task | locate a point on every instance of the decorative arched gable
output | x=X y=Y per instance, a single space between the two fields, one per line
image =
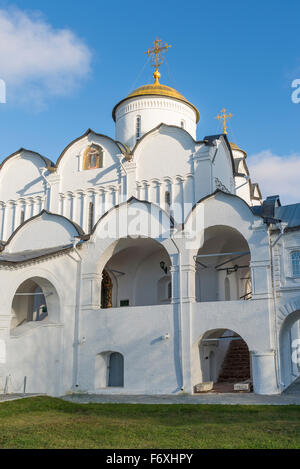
x=45 y=230
x=21 y=175
x=225 y=209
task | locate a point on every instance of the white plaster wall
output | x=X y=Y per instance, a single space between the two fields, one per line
x=151 y=365
x=164 y=153
x=21 y=177
x=153 y=111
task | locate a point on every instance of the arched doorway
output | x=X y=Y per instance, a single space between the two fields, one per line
x=223 y=266
x=289 y=342
x=116 y=370
x=224 y=358
x=35 y=300
x=136 y=274
x=109 y=370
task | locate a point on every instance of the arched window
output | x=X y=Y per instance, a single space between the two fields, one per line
x=91 y=216
x=30 y=302
x=295 y=257
x=138 y=127
x=93 y=157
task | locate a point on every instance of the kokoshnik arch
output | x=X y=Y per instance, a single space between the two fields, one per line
x=148 y=263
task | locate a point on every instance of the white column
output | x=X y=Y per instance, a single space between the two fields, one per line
x=75 y=208
x=85 y=217
x=81 y=210
x=113 y=196
x=104 y=201
x=146 y=190
x=13 y=216
x=162 y=195
x=67 y=206
x=98 y=205
x=26 y=209
x=22 y=208
x=264 y=372
x=62 y=204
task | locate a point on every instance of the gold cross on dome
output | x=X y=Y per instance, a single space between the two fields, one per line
x=156 y=56
x=224 y=116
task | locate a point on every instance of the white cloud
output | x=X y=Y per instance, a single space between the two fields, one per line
x=37 y=60
x=276 y=175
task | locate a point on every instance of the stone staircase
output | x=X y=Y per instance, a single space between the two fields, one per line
x=236 y=365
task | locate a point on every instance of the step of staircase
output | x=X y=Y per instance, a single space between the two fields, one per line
x=236 y=365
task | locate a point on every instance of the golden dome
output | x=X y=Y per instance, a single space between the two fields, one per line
x=157 y=89
x=235 y=147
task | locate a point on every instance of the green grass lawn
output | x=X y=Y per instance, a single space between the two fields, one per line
x=44 y=422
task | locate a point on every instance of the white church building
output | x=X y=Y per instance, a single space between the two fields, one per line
x=145 y=264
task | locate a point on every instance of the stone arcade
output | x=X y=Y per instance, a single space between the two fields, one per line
x=145 y=264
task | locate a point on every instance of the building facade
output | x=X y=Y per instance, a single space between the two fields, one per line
x=133 y=265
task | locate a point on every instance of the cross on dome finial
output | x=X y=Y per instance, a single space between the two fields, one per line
x=224 y=116
x=156 y=55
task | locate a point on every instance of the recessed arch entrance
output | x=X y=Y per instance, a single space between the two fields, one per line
x=136 y=273
x=221 y=356
x=223 y=266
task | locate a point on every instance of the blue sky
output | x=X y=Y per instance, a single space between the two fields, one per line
x=83 y=57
